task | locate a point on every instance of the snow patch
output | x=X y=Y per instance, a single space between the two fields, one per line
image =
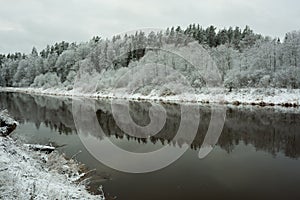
x=250 y=96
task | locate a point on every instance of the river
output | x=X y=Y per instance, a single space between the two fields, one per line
x=256 y=156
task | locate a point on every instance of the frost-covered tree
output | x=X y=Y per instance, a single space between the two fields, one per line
x=291 y=46
x=47 y=80
x=243 y=58
x=65 y=63
x=225 y=58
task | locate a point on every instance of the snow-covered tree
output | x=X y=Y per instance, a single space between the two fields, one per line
x=47 y=80
x=243 y=58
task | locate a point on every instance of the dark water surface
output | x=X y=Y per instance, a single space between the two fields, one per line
x=256 y=157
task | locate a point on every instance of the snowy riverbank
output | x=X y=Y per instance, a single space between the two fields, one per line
x=7 y=124
x=28 y=174
x=247 y=96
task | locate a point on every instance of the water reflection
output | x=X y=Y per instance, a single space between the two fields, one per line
x=265 y=128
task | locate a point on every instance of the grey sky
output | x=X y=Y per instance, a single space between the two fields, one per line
x=28 y=23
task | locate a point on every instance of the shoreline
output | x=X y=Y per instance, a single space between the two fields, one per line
x=26 y=173
x=246 y=96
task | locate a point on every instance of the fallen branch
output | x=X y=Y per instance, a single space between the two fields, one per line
x=43 y=148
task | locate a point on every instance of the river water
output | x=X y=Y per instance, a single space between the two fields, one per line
x=256 y=156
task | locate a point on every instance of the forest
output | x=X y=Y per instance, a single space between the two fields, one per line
x=244 y=59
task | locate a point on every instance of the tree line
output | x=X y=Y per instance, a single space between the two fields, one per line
x=244 y=58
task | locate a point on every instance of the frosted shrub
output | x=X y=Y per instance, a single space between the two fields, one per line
x=288 y=77
x=47 y=80
x=70 y=80
x=265 y=81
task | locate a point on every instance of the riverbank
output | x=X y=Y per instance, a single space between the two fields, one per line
x=30 y=174
x=7 y=124
x=246 y=96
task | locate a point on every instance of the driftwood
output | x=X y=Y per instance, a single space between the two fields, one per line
x=43 y=148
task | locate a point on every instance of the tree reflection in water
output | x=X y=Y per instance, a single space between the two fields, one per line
x=267 y=129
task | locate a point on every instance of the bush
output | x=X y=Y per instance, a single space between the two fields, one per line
x=47 y=80
x=288 y=77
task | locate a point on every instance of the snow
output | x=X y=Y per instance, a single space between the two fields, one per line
x=245 y=96
x=38 y=147
x=3 y=130
x=27 y=174
x=4 y=117
x=7 y=123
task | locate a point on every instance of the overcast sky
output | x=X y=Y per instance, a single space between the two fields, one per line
x=28 y=23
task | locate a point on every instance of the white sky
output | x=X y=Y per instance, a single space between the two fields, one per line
x=28 y=23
